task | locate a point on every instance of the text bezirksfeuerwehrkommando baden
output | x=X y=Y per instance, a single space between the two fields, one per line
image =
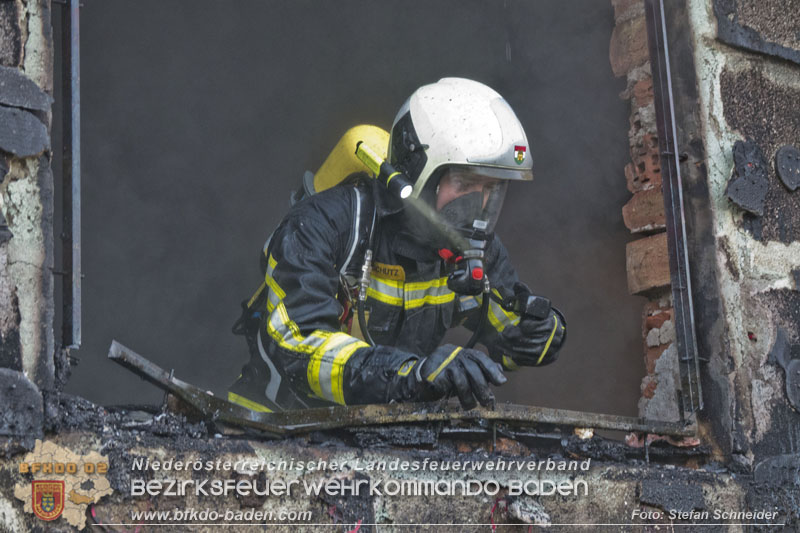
x=525 y=484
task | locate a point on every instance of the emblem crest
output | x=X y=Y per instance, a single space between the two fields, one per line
x=48 y=499
x=519 y=154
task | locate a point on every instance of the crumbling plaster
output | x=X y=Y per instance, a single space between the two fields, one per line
x=745 y=267
x=26 y=200
x=22 y=207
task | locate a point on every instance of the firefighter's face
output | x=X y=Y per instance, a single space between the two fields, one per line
x=456 y=183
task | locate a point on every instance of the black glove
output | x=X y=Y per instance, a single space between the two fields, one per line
x=534 y=341
x=464 y=371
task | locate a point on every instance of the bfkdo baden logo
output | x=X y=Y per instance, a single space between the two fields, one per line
x=57 y=483
x=48 y=499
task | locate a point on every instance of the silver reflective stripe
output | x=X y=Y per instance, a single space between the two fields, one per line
x=279 y=326
x=332 y=349
x=410 y=295
x=434 y=292
x=500 y=318
x=386 y=290
x=328 y=351
x=274 y=384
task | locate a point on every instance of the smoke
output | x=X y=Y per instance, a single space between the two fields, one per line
x=200 y=117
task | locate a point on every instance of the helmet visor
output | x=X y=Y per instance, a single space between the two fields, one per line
x=466 y=194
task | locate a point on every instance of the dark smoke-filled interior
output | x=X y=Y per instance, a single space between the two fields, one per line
x=199 y=119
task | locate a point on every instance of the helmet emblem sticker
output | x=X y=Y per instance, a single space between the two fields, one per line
x=519 y=154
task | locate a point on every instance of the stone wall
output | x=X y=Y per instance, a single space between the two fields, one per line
x=26 y=212
x=747 y=65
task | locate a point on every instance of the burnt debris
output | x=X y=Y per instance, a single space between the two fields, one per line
x=748 y=185
x=21 y=133
x=18 y=90
x=670 y=494
x=24 y=421
x=787 y=165
x=787 y=356
x=731 y=30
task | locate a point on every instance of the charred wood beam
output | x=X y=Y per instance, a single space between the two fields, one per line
x=307 y=420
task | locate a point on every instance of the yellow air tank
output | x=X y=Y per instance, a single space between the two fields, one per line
x=342 y=161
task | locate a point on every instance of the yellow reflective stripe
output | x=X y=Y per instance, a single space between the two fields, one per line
x=325 y=371
x=500 y=318
x=286 y=321
x=255 y=296
x=249 y=404
x=328 y=350
x=434 y=292
x=508 y=314
x=340 y=343
x=409 y=295
x=430 y=299
x=308 y=345
x=273 y=286
x=314 y=364
x=388 y=291
x=509 y=363
x=337 y=372
x=546 y=346
x=446 y=362
x=406 y=368
x=385 y=298
x=270 y=281
x=282 y=328
x=426 y=285
x=395 y=283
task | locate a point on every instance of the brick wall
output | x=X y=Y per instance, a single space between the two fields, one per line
x=647 y=259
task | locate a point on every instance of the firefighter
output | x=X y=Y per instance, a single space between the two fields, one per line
x=460 y=144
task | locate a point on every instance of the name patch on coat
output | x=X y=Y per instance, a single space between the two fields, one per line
x=394 y=272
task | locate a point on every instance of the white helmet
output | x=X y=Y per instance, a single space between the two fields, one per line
x=461 y=123
x=457 y=121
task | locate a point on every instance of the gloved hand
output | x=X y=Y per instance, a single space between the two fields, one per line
x=535 y=341
x=464 y=371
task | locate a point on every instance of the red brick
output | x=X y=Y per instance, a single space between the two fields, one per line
x=647 y=263
x=657 y=320
x=630 y=177
x=648 y=387
x=628 y=47
x=645 y=172
x=654 y=307
x=644 y=212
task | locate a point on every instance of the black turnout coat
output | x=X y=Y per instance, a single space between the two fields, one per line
x=304 y=342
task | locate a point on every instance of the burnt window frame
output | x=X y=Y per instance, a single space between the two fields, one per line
x=689 y=397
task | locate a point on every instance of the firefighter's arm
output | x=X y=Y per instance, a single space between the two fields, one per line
x=512 y=339
x=304 y=258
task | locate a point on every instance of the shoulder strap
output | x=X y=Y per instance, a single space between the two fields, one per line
x=364 y=219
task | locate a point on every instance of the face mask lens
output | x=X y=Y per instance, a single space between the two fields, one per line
x=494 y=195
x=466 y=194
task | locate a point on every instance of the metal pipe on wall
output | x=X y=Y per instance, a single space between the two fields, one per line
x=71 y=235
